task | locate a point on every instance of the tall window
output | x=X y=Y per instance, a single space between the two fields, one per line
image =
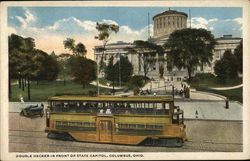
x=160 y=22
x=177 y=21
x=181 y=21
x=164 y=21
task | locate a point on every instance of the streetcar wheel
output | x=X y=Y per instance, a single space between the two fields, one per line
x=59 y=136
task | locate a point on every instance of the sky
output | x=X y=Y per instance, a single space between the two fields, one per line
x=50 y=26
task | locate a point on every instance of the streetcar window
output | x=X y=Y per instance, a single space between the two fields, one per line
x=109 y=125
x=167 y=105
x=150 y=105
x=150 y=126
x=140 y=126
x=158 y=105
x=158 y=126
x=132 y=125
x=86 y=123
x=101 y=125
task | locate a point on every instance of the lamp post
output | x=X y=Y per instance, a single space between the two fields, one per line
x=172 y=84
x=97 y=68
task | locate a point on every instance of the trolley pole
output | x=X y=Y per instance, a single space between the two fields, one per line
x=97 y=75
x=120 y=71
x=173 y=92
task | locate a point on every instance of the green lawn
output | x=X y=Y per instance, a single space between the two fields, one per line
x=232 y=94
x=43 y=90
x=214 y=82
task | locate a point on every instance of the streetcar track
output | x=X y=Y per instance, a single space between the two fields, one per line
x=196 y=142
x=120 y=149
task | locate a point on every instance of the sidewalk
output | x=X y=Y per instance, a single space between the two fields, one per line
x=105 y=86
x=227 y=88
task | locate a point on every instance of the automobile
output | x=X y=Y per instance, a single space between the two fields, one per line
x=33 y=110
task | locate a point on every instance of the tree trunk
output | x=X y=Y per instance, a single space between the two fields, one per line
x=83 y=85
x=189 y=73
x=64 y=82
x=22 y=80
x=114 y=84
x=28 y=89
x=19 y=81
x=25 y=82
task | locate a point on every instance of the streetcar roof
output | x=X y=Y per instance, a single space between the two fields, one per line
x=112 y=98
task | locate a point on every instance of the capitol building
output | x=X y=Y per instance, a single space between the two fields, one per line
x=164 y=24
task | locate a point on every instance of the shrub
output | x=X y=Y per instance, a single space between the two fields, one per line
x=137 y=81
x=204 y=75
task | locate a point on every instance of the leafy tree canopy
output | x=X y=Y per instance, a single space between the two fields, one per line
x=189 y=48
x=239 y=56
x=78 y=49
x=227 y=67
x=83 y=69
x=123 y=68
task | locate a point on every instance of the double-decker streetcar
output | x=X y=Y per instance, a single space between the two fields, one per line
x=112 y=119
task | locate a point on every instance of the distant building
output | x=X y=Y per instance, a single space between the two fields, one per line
x=227 y=42
x=164 y=24
x=167 y=22
x=53 y=54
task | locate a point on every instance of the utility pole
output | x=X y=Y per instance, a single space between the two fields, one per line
x=97 y=75
x=120 y=71
x=148 y=26
x=190 y=18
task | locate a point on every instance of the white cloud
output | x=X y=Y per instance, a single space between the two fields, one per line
x=50 y=38
x=213 y=20
x=200 y=22
x=109 y=22
x=89 y=25
x=25 y=21
x=29 y=17
x=238 y=20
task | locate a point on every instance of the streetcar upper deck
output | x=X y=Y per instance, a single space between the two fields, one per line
x=112 y=98
x=111 y=104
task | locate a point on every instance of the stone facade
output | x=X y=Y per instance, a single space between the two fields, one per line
x=167 y=22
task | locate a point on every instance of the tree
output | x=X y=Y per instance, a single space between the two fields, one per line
x=231 y=60
x=239 y=54
x=227 y=67
x=105 y=30
x=220 y=70
x=27 y=63
x=20 y=56
x=189 y=48
x=64 y=66
x=83 y=69
x=123 y=68
x=78 y=49
x=146 y=52
x=47 y=67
